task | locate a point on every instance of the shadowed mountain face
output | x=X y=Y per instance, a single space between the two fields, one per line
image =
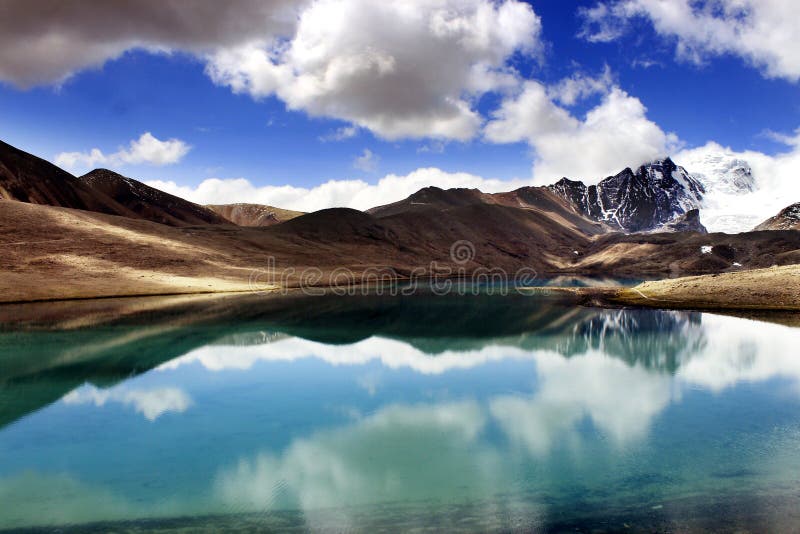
x=253 y=214
x=26 y=178
x=527 y=227
x=787 y=219
x=150 y=203
x=645 y=200
x=537 y=202
x=433 y=198
x=688 y=222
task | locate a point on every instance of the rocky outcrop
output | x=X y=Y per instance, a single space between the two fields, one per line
x=787 y=219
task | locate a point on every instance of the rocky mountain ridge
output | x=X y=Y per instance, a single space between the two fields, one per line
x=27 y=178
x=649 y=199
x=787 y=219
x=657 y=197
x=149 y=203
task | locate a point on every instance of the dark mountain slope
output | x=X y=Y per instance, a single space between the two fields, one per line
x=150 y=203
x=545 y=202
x=432 y=198
x=51 y=252
x=26 y=178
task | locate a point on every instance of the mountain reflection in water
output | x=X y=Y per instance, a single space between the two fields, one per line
x=471 y=413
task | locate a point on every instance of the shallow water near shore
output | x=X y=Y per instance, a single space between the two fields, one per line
x=456 y=413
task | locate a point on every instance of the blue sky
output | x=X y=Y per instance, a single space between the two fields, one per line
x=724 y=96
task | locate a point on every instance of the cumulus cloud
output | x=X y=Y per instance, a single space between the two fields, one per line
x=776 y=183
x=356 y=194
x=147 y=150
x=368 y=161
x=614 y=134
x=762 y=32
x=580 y=86
x=49 y=40
x=401 y=68
x=602 y=23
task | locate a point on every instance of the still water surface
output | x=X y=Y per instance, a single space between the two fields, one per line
x=452 y=413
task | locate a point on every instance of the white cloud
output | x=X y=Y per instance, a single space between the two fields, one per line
x=39 y=45
x=356 y=194
x=400 y=68
x=580 y=86
x=776 y=184
x=614 y=134
x=602 y=23
x=367 y=161
x=762 y=32
x=146 y=150
x=434 y=147
x=340 y=134
x=151 y=403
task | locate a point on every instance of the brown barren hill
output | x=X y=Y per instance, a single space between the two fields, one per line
x=149 y=203
x=787 y=219
x=528 y=228
x=432 y=198
x=58 y=253
x=681 y=253
x=27 y=178
x=55 y=252
x=776 y=288
x=253 y=214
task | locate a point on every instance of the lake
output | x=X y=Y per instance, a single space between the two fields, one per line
x=456 y=413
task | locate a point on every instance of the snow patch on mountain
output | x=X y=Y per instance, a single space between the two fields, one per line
x=742 y=189
x=722 y=173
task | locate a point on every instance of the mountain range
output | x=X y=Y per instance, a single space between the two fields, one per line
x=646 y=200
x=105 y=234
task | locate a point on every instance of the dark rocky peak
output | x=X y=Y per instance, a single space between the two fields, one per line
x=688 y=222
x=454 y=196
x=147 y=202
x=652 y=196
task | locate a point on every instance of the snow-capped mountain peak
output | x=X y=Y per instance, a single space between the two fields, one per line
x=732 y=191
x=723 y=173
x=654 y=195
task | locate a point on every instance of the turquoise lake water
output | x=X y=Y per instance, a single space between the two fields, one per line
x=474 y=414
